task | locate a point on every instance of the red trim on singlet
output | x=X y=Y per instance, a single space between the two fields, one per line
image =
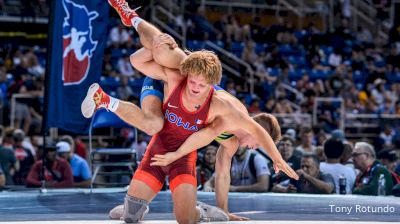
x=148 y=179
x=202 y=106
x=182 y=179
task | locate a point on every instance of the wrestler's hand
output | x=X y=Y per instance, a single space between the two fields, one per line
x=281 y=165
x=233 y=217
x=164 y=39
x=164 y=160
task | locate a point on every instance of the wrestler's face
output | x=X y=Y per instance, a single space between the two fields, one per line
x=197 y=85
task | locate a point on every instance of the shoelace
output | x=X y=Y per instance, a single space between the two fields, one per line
x=126 y=11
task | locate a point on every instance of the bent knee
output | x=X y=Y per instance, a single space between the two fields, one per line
x=185 y=218
x=154 y=126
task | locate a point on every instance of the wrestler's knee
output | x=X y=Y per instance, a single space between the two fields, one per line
x=134 y=209
x=154 y=126
x=185 y=217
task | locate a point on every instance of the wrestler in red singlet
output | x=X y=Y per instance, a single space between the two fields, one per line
x=178 y=126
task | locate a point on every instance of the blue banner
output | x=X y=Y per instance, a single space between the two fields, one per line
x=79 y=37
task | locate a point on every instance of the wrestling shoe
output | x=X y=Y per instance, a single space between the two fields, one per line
x=117 y=212
x=95 y=98
x=126 y=13
x=209 y=213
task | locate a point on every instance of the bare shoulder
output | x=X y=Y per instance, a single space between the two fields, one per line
x=221 y=106
x=233 y=100
x=174 y=77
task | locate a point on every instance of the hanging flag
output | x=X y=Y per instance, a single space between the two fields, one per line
x=78 y=38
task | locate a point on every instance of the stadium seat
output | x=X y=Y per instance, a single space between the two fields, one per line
x=237 y=48
x=195 y=44
x=105 y=119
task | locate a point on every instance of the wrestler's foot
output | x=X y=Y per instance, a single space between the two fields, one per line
x=95 y=98
x=209 y=213
x=117 y=212
x=126 y=13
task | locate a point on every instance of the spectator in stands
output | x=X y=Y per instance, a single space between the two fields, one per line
x=336 y=82
x=230 y=87
x=22 y=113
x=249 y=173
x=57 y=173
x=233 y=30
x=335 y=58
x=386 y=136
x=34 y=68
x=124 y=90
x=319 y=152
x=80 y=147
x=255 y=107
x=8 y=161
x=23 y=155
x=378 y=91
x=321 y=138
x=307 y=141
x=333 y=149
x=364 y=35
x=392 y=60
x=80 y=167
x=2 y=178
x=118 y=36
x=371 y=169
x=291 y=133
x=140 y=146
x=283 y=106
x=249 y=55
x=347 y=155
x=292 y=156
x=311 y=179
x=205 y=169
x=389 y=159
x=124 y=65
x=3 y=85
x=257 y=30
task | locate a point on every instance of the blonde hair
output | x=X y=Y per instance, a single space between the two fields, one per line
x=205 y=63
x=270 y=124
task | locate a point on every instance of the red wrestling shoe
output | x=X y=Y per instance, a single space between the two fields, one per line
x=95 y=98
x=126 y=13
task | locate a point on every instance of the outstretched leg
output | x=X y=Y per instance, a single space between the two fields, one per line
x=149 y=120
x=166 y=56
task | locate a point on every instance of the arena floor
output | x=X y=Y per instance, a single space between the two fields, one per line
x=80 y=206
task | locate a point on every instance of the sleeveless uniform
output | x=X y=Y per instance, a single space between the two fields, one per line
x=178 y=126
x=155 y=87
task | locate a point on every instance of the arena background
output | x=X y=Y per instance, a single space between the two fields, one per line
x=325 y=69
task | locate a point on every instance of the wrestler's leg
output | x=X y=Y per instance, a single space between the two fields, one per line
x=183 y=185
x=184 y=197
x=165 y=56
x=146 y=183
x=149 y=119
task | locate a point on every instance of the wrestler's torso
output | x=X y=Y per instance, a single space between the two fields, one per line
x=179 y=121
x=220 y=98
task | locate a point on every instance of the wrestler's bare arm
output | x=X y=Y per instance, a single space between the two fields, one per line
x=240 y=120
x=195 y=141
